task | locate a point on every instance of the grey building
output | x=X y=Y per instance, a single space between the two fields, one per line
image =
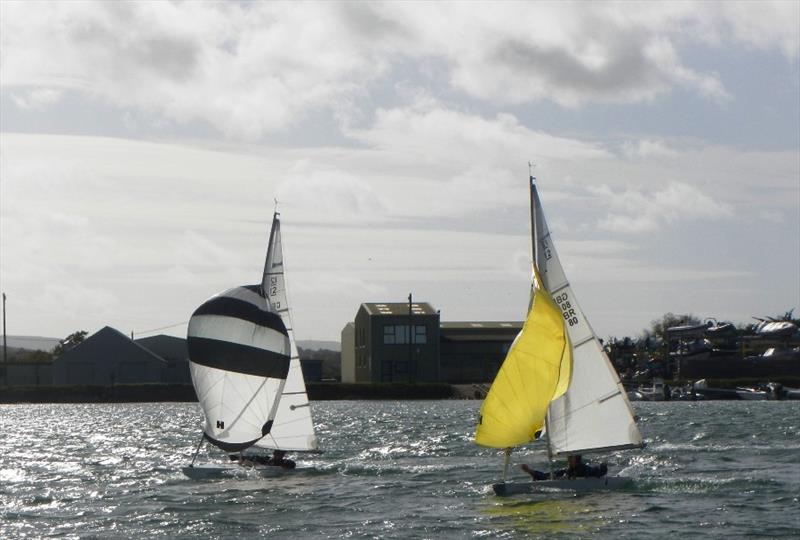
x=375 y=347
x=176 y=354
x=472 y=352
x=108 y=357
x=395 y=342
x=29 y=373
x=348 y=357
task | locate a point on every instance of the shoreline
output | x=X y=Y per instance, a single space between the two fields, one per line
x=331 y=391
x=151 y=393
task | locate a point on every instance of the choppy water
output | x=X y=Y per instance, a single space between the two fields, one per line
x=392 y=470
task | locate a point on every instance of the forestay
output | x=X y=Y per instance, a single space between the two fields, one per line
x=293 y=428
x=594 y=414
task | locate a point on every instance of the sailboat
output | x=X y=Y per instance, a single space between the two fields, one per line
x=246 y=370
x=556 y=380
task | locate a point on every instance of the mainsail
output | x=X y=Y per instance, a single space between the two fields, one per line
x=594 y=414
x=536 y=370
x=293 y=428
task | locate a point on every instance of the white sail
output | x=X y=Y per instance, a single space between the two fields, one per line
x=594 y=415
x=293 y=428
x=239 y=355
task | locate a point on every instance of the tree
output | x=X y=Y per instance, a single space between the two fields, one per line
x=69 y=342
x=658 y=327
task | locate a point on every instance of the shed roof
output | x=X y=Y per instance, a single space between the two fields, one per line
x=480 y=330
x=398 y=308
x=165 y=346
x=108 y=343
x=511 y=325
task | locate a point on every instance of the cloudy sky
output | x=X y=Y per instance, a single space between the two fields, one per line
x=143 y=144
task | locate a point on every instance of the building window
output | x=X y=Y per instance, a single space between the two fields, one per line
x=398 y=334
x=401 y=334
x=420 y=334
x=388 y=335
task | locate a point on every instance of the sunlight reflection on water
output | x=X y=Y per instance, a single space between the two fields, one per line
x=394 y=470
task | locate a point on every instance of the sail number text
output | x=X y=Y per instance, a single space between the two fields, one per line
x=546 y=248
x=567 y=311
x=273 y=289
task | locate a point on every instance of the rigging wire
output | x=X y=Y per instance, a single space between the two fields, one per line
x=160 y=328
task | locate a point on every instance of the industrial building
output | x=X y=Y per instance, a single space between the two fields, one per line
x=472 y=352
x=376 y=346
x=108 y=357
x=176 y=354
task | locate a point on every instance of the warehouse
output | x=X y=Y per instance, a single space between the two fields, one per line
x=175 y=352
x=472 y=352
x=106 y=358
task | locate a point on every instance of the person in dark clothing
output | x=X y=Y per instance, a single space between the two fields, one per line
x=278 y=459
x=575 y=468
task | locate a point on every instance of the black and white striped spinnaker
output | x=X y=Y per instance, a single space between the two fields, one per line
x=240 y=352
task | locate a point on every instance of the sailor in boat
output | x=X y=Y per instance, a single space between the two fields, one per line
x=575 y=468
x=278 y=459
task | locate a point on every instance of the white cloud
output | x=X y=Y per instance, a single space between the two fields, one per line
x=324 y=194
x=153 y=229
x=648 y=148
x=635 y=211
x=253 y=68
x=38 y=98
x=422 y=132
x=765 y=25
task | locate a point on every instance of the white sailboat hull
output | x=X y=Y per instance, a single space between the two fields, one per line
x=752 y=395
x=505 y=489
x=208 y=471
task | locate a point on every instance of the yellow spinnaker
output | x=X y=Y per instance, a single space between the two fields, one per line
x=536 y=371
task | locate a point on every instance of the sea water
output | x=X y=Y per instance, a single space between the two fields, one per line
x=392 y=469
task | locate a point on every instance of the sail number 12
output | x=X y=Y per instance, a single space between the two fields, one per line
x=273 y=290
x=567 y=310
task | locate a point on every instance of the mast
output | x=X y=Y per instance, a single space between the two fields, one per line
x=532 y=187
x=535 y=253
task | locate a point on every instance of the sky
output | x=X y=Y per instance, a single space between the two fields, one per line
x=143 y=146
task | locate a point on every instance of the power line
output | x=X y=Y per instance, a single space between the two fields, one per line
x=160 y=328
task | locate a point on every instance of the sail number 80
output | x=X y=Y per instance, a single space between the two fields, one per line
x=567 y=310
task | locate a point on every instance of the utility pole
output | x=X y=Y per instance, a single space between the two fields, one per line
x=411 y=367
x=5 y=344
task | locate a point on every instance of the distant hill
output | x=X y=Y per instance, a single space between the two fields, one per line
x=312 y=344
x=47 y=344
x=32 y=343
